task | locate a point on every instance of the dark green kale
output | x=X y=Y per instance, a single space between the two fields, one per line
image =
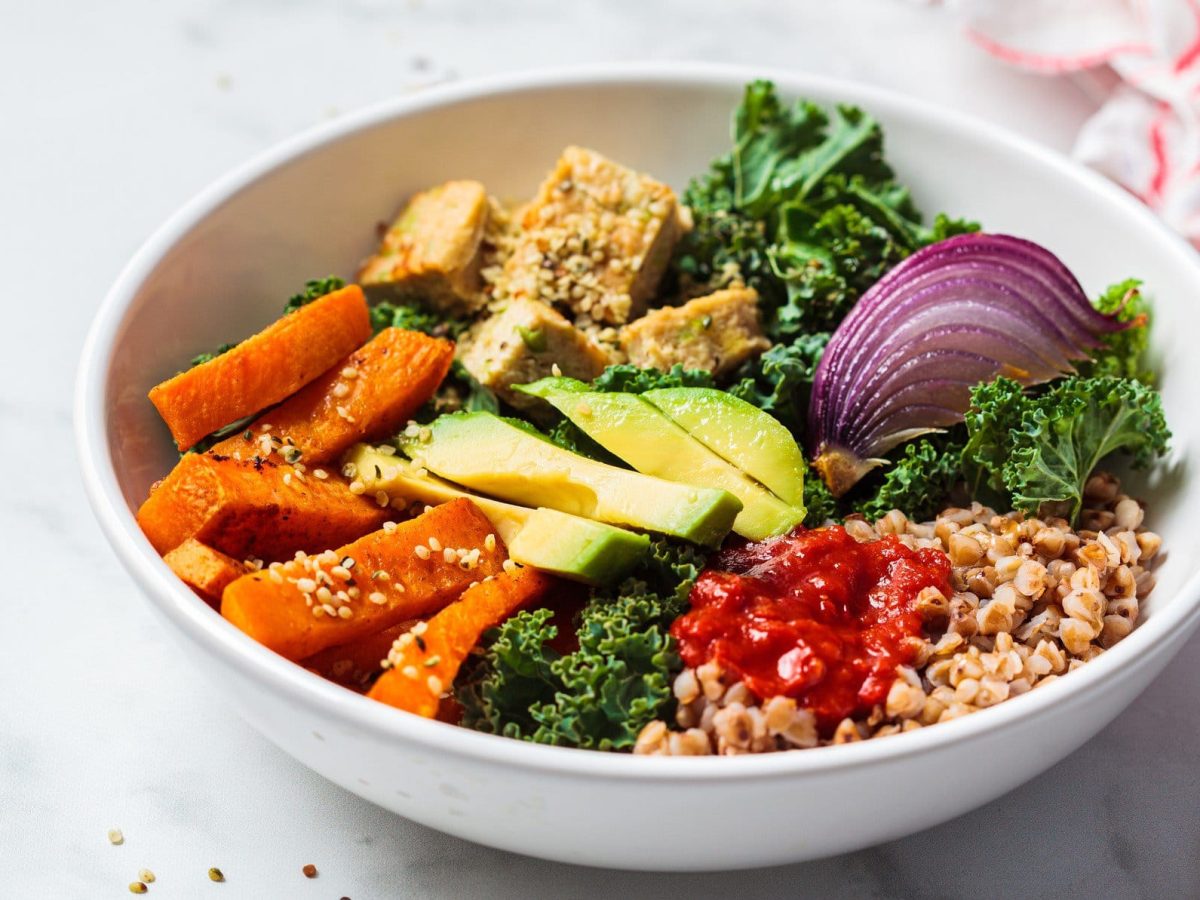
x=819 y=504
x=629 y=379
x=414 y=317
x=313 y=290
x=805 y=209
x=1123 y=353
x=917 y=482
x=779 y=382
x=460 y=391
x=602 y=694
x=1041 y=448
x=201 y=358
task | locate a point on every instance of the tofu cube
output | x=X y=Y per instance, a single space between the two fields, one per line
x=524 y=343
x=717 y=333
x=432 y=252
x=596 y=239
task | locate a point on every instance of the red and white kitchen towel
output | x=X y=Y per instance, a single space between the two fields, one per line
x=1143 y=56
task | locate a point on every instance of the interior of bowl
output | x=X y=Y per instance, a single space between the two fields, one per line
x=310 y=208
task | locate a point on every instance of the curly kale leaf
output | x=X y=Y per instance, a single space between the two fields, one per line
x=313 y=290
x=1042 y=448
x=819 y=504
x=630 y=379
x=601 y=695
x=1122 y=354
x=779 y=382
x=1063 y=434
x=414 y=317
x=805 y=209
x=201 y=358
x=917 y=483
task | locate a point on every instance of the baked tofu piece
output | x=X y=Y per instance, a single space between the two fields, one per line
x=524 y=343
x=433 y=249
x=717 y=333
x=596 y=239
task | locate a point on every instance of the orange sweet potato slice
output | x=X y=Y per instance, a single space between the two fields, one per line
x=205 y=570
x=295 y=610
x=248 y=508
x=423 y=665
x=367 y=395
x=355 y=664
x=265 y=368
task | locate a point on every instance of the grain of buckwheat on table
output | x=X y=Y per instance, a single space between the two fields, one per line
x=1033 y=600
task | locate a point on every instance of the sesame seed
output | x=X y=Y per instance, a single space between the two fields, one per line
x=489 y=543
x=307 y=585
x=422 y=551
x=345 y=414
x=264 y=427
x=274 y=575
x=381 y=498
x=324 y=594
x=386 y=449
x=341 y=389
x=146 y=875
x=449 y=555
x=510 y=566
x=345 y=612
x=349 y=470
x=320 y=473
x=435 y=684
x=425 y=436
x=432 y=661
x=404 y=640
x=287 y=478
x=409 y=672
x=435 y=545
x=115 y=837
x=215 y=874
x=354 y=593
x=380 y=575
x=136 y=887
x=349 y=372
x=556 y=371
x=377 y=597
x=420 y=628
x=329 y=557
x=340 y=572
x=389 y=527
x=318 y=611
x=357 y=487
x=398 y=588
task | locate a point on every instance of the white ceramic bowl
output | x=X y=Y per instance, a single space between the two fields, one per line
x=306 y=208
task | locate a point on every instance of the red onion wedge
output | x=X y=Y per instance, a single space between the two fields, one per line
x=952 y=315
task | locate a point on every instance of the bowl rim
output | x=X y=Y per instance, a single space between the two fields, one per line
x=287 y=680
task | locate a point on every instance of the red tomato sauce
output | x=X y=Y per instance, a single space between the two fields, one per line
x=813 y=615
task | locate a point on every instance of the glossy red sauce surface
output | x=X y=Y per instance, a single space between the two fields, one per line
x=813 y=615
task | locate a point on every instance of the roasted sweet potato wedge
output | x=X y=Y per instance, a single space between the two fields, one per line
x=426 y=660
x=248 y=508
x=265 y=368
x=403 y=572
x=205 y=570
x=367 y=395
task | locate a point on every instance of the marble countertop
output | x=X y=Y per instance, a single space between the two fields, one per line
x=114 y=114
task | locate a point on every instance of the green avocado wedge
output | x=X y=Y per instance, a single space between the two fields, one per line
x=555 y=542
x=640 y=434
x=486 y=453
x=577 y=548
x=740 y=433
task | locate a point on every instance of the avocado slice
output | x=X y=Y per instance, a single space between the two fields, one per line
x=577 y=548
x=637 y=432
x=552 y=541
x=740 y=433
x=487 y=453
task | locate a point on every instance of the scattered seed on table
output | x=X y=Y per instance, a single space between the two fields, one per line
x=115 y=837
x=146 y=875
x=136 y=887
x=310 y=871
x=215 y=874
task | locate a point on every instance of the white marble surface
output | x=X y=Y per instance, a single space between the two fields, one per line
x=112 y=115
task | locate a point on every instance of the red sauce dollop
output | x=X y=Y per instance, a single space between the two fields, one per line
x=813 y=615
